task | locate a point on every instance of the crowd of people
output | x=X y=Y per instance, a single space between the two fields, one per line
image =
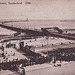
x=12 y=65
x=66 y=54
x=5 y=65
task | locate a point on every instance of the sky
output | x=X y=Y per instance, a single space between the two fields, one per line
x=38 y=9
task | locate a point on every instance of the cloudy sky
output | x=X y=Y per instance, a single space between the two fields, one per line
x=38 y=9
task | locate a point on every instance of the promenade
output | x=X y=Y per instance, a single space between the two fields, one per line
x=66 y=68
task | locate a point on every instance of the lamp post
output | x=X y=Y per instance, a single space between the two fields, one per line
x=47 y=43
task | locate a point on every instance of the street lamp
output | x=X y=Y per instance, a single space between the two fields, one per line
x=47 y=43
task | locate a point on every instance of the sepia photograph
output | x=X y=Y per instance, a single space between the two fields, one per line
x=37 y=37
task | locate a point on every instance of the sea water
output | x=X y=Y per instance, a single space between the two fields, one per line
x=37 y=24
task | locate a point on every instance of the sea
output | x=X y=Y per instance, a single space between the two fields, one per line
x=37 y=24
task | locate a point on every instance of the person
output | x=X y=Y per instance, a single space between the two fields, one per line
x=0 y=65
x=54 y=61
x=2 y=48
x=21 y=70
